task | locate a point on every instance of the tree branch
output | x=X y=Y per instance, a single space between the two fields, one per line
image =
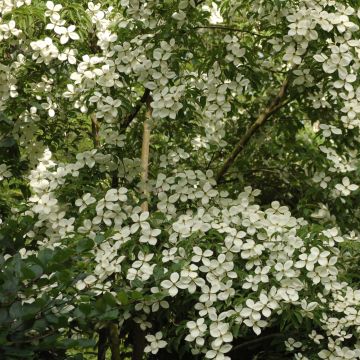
x=274 y=106
x=229 y=28
x=256 y=341
x=127 y=121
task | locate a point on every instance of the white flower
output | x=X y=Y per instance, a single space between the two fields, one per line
x=44 y=50
x=206 y=194
x=197 y=330
x=50 y=106
x=156 y=343
x=346 y=187
x=327 y=130
x=46 y=204
x=53 y=10
x=314 y=336
x=69 y=55
x=116 y=194
x=215 y=15
x=322 y=179
x=171 y=285
x=7 y=29
x=284 y=269
x=140 y=222
x=209 y=293
x=4 y=171
x=220 y=331
x=85 y=201
x=256 y=325
x=82 y=284
x=67 y=33
x=218 y=353
x=149 y=236
x=291 y=344
x=199 y=254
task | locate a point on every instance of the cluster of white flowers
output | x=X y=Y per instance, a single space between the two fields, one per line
x=44 y=50
x=7 y=6
x=8 y=29
x=280 y=267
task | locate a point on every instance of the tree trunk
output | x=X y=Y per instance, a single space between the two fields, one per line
x=138 y=335
x=102 y=344
x=114 y=342
x=145 y=151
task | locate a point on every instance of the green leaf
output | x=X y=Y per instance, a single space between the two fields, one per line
x=122 y=297
x=16 y=310
x=19 y=353
x=7 y=142
x=84 y=245
x=32 y=271
x=158 y=272
x=99 y=238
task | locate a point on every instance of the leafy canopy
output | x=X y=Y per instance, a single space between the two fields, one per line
x=179 y=177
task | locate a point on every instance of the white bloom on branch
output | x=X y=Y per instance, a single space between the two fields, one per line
x=156 y=343
x=346 y=187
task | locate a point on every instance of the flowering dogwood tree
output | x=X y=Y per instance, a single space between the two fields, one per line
x=179 y=178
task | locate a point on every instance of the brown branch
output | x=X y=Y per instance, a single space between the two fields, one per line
x=34 y=338
x=274 y=106
x=145 y=151
x=127 y=121
x=256 y=341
